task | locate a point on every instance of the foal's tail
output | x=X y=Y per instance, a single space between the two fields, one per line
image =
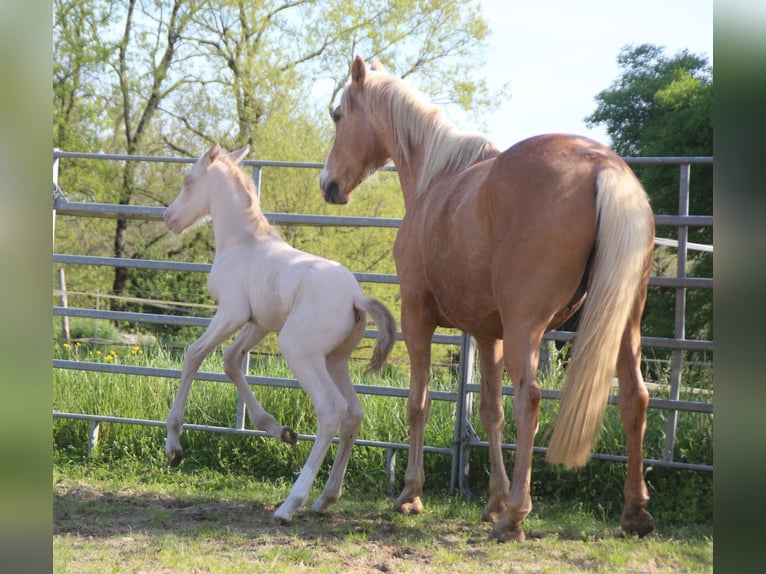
x=386 y=338
x=623 y=242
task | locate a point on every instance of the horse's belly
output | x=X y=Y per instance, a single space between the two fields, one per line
x=466 y=303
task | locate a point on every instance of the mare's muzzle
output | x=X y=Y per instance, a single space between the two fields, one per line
x=331 y=193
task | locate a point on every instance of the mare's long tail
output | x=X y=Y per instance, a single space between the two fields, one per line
x=386 y=337
x=623 y=242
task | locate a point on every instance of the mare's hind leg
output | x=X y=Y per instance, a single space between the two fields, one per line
x=233 y=358
x=633 y=401
x=337 y=365
x=493 y=421
x=521 y=349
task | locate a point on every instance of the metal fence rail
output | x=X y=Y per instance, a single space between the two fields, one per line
x=465 y=437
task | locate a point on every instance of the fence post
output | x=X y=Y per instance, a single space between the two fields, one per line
x=464 y=406
x=680 y=318
x=241 y=407
x=64 y=303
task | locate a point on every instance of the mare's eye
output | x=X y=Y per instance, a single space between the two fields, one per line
x=336 y=115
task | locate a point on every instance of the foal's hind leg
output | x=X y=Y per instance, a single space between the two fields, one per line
x=310 y=368
x=233 y=357
x=349 y=429
x=633 y=402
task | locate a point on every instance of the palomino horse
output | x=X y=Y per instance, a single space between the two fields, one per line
x=262 y=285
x=507 y=246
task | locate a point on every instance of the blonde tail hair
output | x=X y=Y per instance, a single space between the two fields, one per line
x=624 y=236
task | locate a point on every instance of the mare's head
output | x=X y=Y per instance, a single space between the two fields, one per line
x=194 y=201
x=358 y=149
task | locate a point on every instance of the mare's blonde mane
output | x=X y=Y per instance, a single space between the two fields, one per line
x=415 y=120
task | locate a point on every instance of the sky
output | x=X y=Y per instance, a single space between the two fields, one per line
x=557 y=55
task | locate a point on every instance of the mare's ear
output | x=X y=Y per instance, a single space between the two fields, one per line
x=211 y=154
x=358 y=71
x=240 y=154
x=377 y=66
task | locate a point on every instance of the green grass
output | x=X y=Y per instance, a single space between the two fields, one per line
x=132 y=517
x=677 y=497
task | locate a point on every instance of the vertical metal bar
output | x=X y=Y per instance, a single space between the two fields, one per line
x=257 y=180
x=463 y=428
x=680 y=315
x=55 y=183
x=95 y=427
x=241 y=407
x=390 y=470
x=64 y=303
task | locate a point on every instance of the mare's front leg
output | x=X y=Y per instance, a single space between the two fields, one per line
x=418 y=326
x=222 y=326
x=233 y=359
x=493 y=421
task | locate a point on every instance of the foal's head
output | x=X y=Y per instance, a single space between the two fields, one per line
x=358 y=149
x=194 y=200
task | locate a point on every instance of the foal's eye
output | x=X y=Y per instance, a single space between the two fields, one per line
x=336 y=115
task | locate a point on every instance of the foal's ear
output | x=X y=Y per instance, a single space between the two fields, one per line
x=358 y=71
x=240 y=154
x=211 y=154
x=377 y=66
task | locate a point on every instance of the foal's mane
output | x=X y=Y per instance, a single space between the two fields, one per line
x=246 y=187
x=415 y=119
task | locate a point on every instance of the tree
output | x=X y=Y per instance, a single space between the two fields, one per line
x=662 y=106
x=161 y=77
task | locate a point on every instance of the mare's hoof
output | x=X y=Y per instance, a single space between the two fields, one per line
x=289 y=436
x=505 y=531
x=175 y=457
x=412 y=506
x=640 y=524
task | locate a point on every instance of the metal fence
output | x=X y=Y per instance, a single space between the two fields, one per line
x=464 y=436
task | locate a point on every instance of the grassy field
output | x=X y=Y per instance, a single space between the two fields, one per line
x=121 y=508
x=133 y=518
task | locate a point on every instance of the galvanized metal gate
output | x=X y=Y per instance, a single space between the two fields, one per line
x=465 y=437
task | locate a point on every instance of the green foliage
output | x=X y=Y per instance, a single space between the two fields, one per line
x=170 y=77
x=663 y=106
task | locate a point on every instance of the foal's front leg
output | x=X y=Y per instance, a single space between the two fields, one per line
x=222 y=325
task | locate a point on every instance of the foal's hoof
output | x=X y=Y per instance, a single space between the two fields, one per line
x=640 y=524
x=175 y=457
x=289 y=436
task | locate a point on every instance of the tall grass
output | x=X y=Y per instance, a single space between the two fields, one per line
x=677 y=496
